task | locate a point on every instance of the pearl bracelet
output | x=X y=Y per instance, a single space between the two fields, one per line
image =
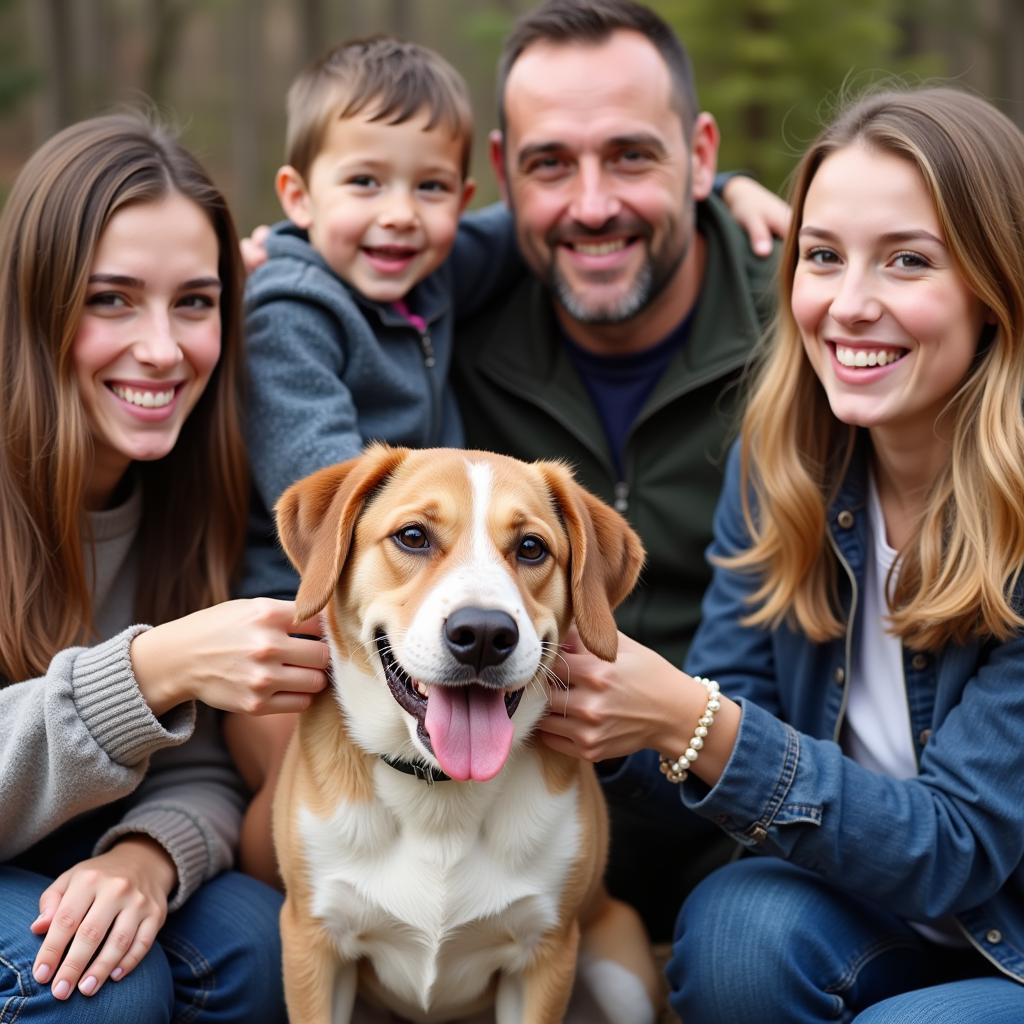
x=677 y=771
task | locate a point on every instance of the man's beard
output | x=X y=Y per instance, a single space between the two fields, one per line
x=615 y=311
x=648 y=283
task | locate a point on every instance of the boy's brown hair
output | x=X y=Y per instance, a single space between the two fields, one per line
x=394 y=80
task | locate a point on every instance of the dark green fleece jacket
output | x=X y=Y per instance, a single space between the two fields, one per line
x=520 y=394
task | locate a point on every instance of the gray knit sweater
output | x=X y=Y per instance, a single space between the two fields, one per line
x=82 y=737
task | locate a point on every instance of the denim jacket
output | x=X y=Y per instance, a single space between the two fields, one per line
x=948 y=841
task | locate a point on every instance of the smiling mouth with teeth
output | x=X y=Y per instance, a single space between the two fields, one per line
x=413 y=696
x=391 y=252
x=146 y=398
x=600 y=248
x=858 y=358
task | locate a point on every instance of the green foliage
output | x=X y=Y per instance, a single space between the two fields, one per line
x=771 y=71
x=486 y=27
x=482 y=28
x=15 y=82
x=17 y=79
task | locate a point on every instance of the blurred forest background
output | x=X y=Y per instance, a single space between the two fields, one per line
x=768 y=69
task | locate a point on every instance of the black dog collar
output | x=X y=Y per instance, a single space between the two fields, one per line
x=421 y=771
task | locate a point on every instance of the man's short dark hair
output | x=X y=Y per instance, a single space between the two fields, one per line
x=593 y=21
x=390 y=80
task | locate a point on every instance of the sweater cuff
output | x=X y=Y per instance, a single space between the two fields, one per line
x=113 y=709
x=179 y=835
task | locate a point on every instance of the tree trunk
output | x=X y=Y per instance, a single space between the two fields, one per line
x=1009 y=41
x=401 y=19
x=313 y=30
x=98 y=52
x=247 y=61
x=51 y=26
x=166 y=19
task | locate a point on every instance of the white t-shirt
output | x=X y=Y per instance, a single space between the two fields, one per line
x=877 y=731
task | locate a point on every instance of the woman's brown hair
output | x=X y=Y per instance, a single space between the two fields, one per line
x=194 y=499
x=959 y=574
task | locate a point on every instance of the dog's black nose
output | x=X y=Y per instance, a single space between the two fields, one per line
x=479 y=637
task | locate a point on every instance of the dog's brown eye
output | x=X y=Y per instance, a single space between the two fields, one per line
x=412 y=537
x=531 y=549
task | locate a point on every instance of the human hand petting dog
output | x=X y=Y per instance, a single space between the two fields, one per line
x=609 y=709
x=236 y=656
x=605 y=709
x=102 y=916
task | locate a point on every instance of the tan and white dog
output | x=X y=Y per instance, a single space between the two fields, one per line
x=438 y=861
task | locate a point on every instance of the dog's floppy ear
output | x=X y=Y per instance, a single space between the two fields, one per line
x=317 y=515
x=605 y=560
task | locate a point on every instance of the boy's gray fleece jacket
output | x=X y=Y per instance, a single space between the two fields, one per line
x=330 y=370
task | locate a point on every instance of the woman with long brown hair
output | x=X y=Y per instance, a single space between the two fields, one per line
x=123 y=492
x=865 y=621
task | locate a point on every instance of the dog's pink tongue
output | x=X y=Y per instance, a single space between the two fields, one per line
x=469 y=729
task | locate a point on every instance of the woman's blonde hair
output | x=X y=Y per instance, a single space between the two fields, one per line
x=194 y=499
x=958 y=575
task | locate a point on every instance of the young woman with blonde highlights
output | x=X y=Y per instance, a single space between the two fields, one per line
x=123 y=491
x=957 y=575
x=865 y=621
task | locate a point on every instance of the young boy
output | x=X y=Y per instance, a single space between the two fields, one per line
x=349 y=321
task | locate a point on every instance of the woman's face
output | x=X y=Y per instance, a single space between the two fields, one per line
x=887 y=322
x=150 y=334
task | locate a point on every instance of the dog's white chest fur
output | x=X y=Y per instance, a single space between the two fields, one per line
x=440 y=885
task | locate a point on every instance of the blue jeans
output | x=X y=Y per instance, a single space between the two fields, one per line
x=216 y=960
x=761 y=941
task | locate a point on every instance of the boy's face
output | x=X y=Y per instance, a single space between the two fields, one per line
x=381 y=202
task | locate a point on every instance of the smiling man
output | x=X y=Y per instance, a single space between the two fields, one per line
x=622 y=351
x=596 y=167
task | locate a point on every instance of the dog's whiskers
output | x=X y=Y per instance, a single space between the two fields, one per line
x=551 y=677
x=562 y=658
x=537 y=684
x=555 y=681
x=556 y=651
x=374 y=644
x=370 y=646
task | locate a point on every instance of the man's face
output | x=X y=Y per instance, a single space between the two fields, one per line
x=600 y=174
